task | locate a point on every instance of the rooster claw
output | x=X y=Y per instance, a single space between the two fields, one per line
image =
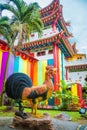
x=37 y=115
x=21 y=114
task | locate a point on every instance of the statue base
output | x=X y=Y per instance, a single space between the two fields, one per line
x=33 y=123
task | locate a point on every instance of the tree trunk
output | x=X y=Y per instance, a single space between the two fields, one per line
x=3 y=88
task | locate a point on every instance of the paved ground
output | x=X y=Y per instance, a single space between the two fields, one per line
x=64 y=125
x=58 y=124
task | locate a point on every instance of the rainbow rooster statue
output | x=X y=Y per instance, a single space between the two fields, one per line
x=19 y=87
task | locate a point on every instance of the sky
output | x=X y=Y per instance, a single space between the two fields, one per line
x=74 y=11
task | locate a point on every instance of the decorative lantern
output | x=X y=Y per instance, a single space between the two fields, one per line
x=24 y=56
x=6 y=48
x=0 y=46
x=3 y=47
x=30 y=59
x=17 y=53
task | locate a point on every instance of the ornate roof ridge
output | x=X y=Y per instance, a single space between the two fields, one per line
x=68 y=45
x=52 y=38
x=48 y=8
x=3 y=42
x=51 y=16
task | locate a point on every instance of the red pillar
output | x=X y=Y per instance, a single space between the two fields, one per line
x=79 y=91
x=58 y=62
x=67 y=73
x=57 y=76
x=55 y=55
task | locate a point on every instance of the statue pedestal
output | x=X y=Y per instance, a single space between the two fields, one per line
x=33 y=123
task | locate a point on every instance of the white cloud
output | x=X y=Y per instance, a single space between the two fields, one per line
x=75 y=12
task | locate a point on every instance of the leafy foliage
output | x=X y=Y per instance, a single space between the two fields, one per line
x=5 y=29
x=25 y=19
x=65 y=95
x=84 y=90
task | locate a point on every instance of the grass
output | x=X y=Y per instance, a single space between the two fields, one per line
x=75 y=116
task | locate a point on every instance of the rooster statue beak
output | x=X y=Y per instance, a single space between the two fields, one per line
x=54 y=70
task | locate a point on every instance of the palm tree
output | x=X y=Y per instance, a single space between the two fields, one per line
x=25 y=19
x=7 y=34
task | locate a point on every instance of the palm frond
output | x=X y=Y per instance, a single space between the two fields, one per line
x=9 y=8
x=4 y=18
x=28 y=11
x=20 y=5
x=5 y=29
x=36 y=5
x=25 y=19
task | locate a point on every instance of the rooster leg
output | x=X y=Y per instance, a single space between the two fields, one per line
x=46 y=103
x=34 y=109
x=34 y=106
x=20 y=112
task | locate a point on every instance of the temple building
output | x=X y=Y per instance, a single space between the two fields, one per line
x=76 y=69
x=52 y=48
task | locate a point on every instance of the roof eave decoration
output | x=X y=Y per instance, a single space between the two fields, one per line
x=56 y=13
x=4 y=48
x=3 y=45
x=50 y=7
x=51 y=17
x=76 y=66
x=44 y=41
x=74 y=47
x=63 y=23
x=3 y=42
x=25 y=56
x=67 y=48
x=67 y=23
x=68 y=45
